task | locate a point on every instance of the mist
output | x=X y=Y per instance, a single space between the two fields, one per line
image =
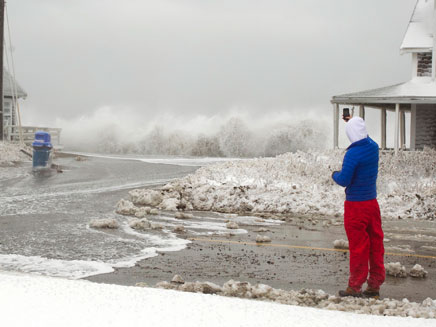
x=235 y=134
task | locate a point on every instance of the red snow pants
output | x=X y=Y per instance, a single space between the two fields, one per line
x=362 y=223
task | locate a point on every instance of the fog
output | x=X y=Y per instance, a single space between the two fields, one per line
x=187 y=67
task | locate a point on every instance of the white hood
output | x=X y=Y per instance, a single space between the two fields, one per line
x=356 y=129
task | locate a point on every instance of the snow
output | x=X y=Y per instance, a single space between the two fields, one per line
x=395 y=269
x=10 y=154
x=300 y=183
x=41 y=301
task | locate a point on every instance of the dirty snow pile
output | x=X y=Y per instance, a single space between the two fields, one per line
x=10 y=154
x=298 y=183
x=308 y=298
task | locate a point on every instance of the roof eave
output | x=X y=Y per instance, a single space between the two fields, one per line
x=381 y=100
x=415 y=50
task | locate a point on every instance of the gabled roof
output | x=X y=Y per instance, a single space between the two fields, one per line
x=418 y=90
x=419 y=34
x=8 y=90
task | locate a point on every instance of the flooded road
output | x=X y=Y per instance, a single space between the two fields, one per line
x=44 y=221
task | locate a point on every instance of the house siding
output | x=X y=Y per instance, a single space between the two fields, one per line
x=425 y=126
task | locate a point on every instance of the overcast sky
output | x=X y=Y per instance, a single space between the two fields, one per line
x=202 y=57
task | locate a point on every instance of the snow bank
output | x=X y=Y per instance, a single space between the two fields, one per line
x=10 y=154
x=300 y=183
x=309 y=298
x=53 y=302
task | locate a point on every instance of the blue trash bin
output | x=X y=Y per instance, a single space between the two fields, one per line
x=42 y=150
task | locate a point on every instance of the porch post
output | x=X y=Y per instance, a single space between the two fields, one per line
x=413 y=127
x=402 y=129
x=383 y=129
x=335 y=125
x=362 y=111
x=397 y=125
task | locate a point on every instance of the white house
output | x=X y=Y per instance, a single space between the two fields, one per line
x=417 y=96
x=9 y=105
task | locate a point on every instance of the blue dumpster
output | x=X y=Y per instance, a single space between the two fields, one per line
x=42 y=150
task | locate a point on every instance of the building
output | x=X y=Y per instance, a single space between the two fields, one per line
x=417 y=96
x=9 y=105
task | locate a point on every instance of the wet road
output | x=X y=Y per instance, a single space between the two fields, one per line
x=300 y=255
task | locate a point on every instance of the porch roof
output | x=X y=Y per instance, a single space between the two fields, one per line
x=418 y=90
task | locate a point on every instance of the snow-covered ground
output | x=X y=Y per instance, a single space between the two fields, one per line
x=41 y=301
x=300 y=183
x=10 y=154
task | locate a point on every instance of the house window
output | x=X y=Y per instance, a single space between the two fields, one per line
x=424 y=64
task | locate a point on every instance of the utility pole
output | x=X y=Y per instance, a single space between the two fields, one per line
x=2 y=24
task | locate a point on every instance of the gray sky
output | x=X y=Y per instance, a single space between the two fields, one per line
x=202 y=57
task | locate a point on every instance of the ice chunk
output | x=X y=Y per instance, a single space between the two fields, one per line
x=183 y=215
x=263 y=239
x=125 y=207
x=177 y=279
x=340 y=244
x=146 y=197
x=104 y=223
x=395 y=269
x=232 y=225
x=140 y=224
x=418 y=271
x=179 y=229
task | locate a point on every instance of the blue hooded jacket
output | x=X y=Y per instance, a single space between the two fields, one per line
x=359 y=170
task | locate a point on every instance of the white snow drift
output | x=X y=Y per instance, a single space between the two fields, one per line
x=299 y=183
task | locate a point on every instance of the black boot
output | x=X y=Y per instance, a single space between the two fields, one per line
x=371 y=293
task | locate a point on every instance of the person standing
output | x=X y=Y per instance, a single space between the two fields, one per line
x=362 y=220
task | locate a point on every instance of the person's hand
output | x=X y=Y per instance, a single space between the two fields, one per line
x=334 y=172
x=346 y=118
